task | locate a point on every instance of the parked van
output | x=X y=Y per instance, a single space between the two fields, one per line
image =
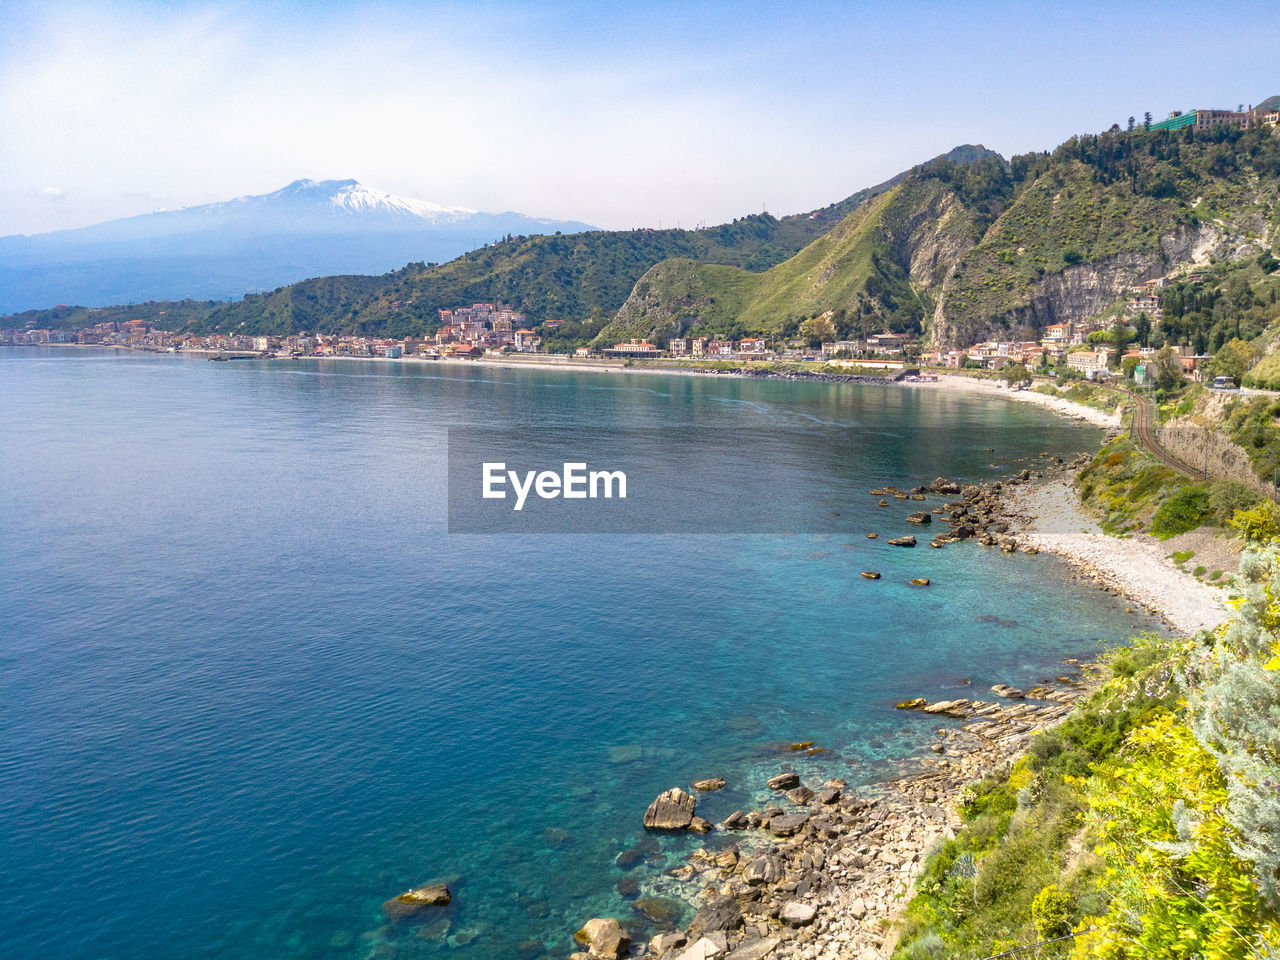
x=1224 y=383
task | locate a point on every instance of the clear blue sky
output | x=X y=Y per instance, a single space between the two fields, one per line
x=616 y=114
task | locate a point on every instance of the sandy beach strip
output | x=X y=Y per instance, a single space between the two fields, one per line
x=994 y=388
x=1053 y=520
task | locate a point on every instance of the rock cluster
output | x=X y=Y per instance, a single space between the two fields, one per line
x=821 y=875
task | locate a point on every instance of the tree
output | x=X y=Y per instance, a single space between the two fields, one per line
x=818 y=330
x=1015 y=373
x=1146 y=120
x=1142 y=329
x=1168 y=370
x=1234 y=359
x=1131 y=122
x=1119 y=337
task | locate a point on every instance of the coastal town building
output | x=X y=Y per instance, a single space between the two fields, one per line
x=1091 y=363
x=888 y=342
x=633 y=348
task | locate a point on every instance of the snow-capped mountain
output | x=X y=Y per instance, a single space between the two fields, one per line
x=223 y=250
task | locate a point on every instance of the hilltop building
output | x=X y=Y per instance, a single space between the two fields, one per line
x=1204 y=119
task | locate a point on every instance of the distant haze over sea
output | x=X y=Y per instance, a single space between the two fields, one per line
x=220 y=251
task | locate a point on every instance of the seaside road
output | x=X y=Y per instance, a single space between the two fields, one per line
x=1143 y=431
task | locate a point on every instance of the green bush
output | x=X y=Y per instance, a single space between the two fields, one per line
x=1228 y=496
x=1052 y=911
x=1184 y=510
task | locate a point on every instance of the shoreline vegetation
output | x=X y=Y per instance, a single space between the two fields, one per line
x=823 y=874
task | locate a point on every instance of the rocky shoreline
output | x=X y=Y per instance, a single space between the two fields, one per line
x=751 y=373
x=822 y=873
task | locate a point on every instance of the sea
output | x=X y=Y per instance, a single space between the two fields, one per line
x=252 y=685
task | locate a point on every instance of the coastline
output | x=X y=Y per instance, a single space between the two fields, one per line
x=866 y=868
x=1059 y=405
x=1050 y=517
x=837 y=885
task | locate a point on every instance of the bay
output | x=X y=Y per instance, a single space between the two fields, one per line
x=252 y=687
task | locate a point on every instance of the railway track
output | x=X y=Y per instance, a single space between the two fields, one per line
x=1142 y=430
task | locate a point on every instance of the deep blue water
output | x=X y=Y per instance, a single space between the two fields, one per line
x=251 y=688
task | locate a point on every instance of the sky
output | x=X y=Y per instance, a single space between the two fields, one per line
x=615 y=114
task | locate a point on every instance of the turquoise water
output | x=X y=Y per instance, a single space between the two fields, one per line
x=252 y=688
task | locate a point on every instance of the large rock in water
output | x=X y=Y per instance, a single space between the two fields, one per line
x=417 y=900
x=783 y=781
x=722 y=914
x=672 y=810
x=604 y=937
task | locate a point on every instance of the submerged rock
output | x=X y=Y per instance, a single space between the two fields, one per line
x=664 y=911
x=415 y=901
x=711 y=783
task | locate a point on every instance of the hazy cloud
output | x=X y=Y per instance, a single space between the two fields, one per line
x=620 y=115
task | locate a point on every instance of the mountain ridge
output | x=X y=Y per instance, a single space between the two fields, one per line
x=254 y=242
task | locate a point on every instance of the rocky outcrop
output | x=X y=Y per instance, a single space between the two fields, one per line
x=1075 y=293
x=672 y=810
x=412 y=902
x=604 y=937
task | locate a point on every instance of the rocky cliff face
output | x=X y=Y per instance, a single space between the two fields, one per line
x=1082 y=291
x=933 y=237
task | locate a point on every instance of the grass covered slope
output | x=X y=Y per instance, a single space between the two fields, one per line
x=872 y=271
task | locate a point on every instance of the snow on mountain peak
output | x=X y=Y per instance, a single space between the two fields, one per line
x=350 y=196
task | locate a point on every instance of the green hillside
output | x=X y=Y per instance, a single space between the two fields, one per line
x=1104 y=212
x=864 y=273
x=562 y=277
x=966 y=251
